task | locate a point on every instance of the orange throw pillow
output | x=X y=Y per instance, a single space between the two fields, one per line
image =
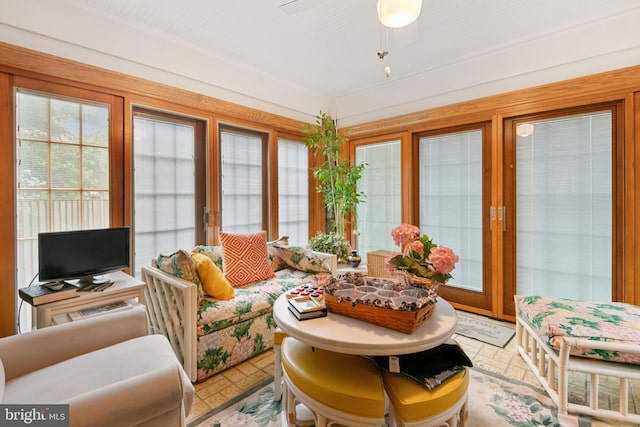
x=245 y=258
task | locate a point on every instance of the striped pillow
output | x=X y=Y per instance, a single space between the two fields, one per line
x=245 y=258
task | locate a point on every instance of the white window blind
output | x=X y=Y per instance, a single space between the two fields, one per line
x=164 y=188
x=381 y=183
x=564 y=208
x=451 y=200
x=293 y=192
x=242 y=182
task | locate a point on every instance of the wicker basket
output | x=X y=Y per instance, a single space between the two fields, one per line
x=402 y=321
x=405 y=321
x=375 y=263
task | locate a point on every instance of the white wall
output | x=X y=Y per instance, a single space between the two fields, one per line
x=596 y=47
x=52 y=27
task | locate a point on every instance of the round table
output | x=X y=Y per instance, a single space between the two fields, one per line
x=344 y=334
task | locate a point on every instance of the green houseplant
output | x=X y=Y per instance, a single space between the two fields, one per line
x=337 y=177
x=331 y=243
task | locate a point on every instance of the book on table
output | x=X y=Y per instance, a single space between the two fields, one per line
x=40 y=294
x=309 y=314
x=304 y=308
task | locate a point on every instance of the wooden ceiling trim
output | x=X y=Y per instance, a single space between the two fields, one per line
x=591 y=89
x=30 y=63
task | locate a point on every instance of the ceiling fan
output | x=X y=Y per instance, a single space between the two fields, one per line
x=296 y=6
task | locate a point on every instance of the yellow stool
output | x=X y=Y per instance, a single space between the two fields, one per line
x=337 y=388
x=412 y=405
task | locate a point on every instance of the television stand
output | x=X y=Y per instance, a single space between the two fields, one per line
x=125 y=288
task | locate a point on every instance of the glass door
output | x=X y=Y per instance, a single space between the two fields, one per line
x=560 y=193
x=453 y=191
x=169 y=185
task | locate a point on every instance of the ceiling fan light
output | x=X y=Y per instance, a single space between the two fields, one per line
x=524 y=129
x=398 y=13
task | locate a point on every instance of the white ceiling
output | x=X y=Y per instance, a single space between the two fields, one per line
x=321 y=54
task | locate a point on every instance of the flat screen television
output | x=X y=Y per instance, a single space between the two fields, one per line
x=82 y=254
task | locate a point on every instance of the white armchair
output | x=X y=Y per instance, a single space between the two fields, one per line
x=109 y=371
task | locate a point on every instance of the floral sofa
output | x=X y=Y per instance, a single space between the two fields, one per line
x=208 y=334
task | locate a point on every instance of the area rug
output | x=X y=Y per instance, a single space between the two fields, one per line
x=494 y=401
x=484 y=330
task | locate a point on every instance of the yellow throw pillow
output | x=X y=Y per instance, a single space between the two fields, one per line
x=213 y=281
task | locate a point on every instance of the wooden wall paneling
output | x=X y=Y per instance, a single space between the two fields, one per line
x=7 y=214
x=413 y=151
x=214 y=170
x=632 y=207
x=200 y=150
x=586 y=90
x=127 y=171
x=118 y=193
x=506 y=248
x=212 y=179
x=273 y=186
x=619 y=197
x=21 y=61
x=408 y=185
x=266 y=182
x=497 y=199
x=127 y=165
x=318 y=211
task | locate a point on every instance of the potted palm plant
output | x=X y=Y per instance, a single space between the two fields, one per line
x=337 y=177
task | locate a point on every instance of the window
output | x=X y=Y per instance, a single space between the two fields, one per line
x=244 y=200
x=293 y=191
x=381 y=183
x=62 y=149
x=169 y=195
x=564 y=208
x=451 y=200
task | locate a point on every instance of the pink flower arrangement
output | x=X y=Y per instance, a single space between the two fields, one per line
x=443 y=259
x=405 y=233
x=420 y=255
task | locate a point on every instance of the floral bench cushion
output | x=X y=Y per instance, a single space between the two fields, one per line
x=249 y=302
x=554 y=318
x=300 y=258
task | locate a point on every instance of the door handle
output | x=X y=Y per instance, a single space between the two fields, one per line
x=502 y=216
x=205 y=217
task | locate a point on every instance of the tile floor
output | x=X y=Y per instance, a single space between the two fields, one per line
x=228 y=384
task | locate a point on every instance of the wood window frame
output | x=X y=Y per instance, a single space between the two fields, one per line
x=265 y=138
x=618 y=195
x=8 y=85
x=200 y=160
x=483 y=301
